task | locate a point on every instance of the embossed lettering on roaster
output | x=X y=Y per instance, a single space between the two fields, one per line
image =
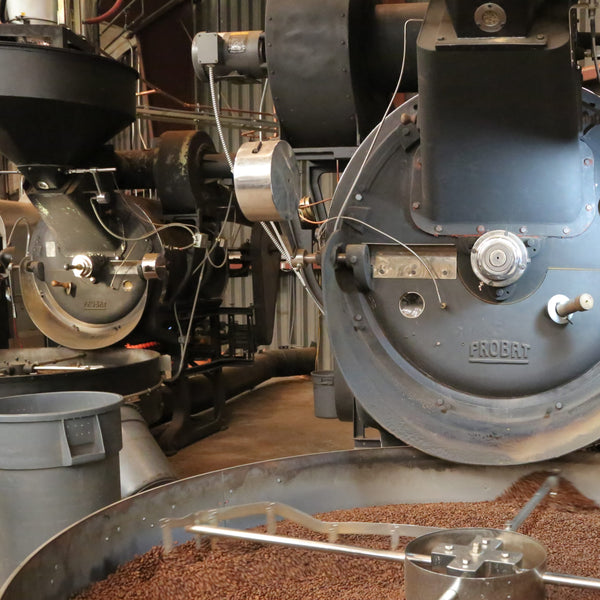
x=95 y=305
x=499 y=352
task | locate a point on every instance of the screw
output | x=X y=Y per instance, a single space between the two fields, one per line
x=588 y=162
x=358 y=317
x=439 y=228
x=358 y=197
x=416 y=205
x=465 y=562
x=480 y=229
x=589 y=207
x=440 y=402
x=540 y=36
x=353 y=260
x=449 y=547
x=43 y=185
x=505 y=555
x=566 y=230
x=523 y=229
x=559 y=405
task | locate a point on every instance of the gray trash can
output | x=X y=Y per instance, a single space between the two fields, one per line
x=59 y=461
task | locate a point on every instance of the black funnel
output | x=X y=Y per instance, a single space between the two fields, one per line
x=58 y=106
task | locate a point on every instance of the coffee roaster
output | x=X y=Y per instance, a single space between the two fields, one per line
x=458 y=255
x=459 y=274
x=459 y=270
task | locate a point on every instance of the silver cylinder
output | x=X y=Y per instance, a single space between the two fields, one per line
x=491 y=578
x=143 y=464
x=267 y=181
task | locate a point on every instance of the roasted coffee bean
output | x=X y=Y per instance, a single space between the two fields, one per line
x=567 y=524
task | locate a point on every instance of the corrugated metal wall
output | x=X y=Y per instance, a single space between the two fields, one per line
x=297 y=319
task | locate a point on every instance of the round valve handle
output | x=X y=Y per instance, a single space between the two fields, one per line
x=561 y=307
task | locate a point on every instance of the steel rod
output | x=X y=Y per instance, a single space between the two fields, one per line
x=588 y=583
x=546 y=487
x=278 y=540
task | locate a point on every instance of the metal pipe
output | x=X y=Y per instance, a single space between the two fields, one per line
x=548 y=485
x=587 y=583
x=278 y=540
x=580 y=304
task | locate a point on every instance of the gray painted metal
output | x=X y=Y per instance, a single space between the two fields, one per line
x=297 y=319
x=94 y=547
x=486 y=379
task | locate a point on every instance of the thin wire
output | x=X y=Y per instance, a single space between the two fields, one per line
x=189 y=329
x=377 y=131
x=405 y=246
x=12 y=232
x=215 y=243
x=142 y=237
x=592 y=16
x=316 y=203
x=262 y=105
x=213 y=97
x=280 y=244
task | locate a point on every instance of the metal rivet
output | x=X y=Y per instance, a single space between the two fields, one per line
x=416 y=205
x=566 y=230
x=358 y=317
x=439 y=228
x=358 y=197
x=480 y=229
x=523 y=229
x=559 y=405
x=589 y=207
x=588 y=162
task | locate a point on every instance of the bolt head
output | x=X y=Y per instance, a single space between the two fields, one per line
x=358 y=197
x=439 y=228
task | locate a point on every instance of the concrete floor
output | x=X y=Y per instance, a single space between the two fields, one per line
x=274 y=420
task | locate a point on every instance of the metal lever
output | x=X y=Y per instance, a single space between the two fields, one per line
x=579 y=304
x=560 y=307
